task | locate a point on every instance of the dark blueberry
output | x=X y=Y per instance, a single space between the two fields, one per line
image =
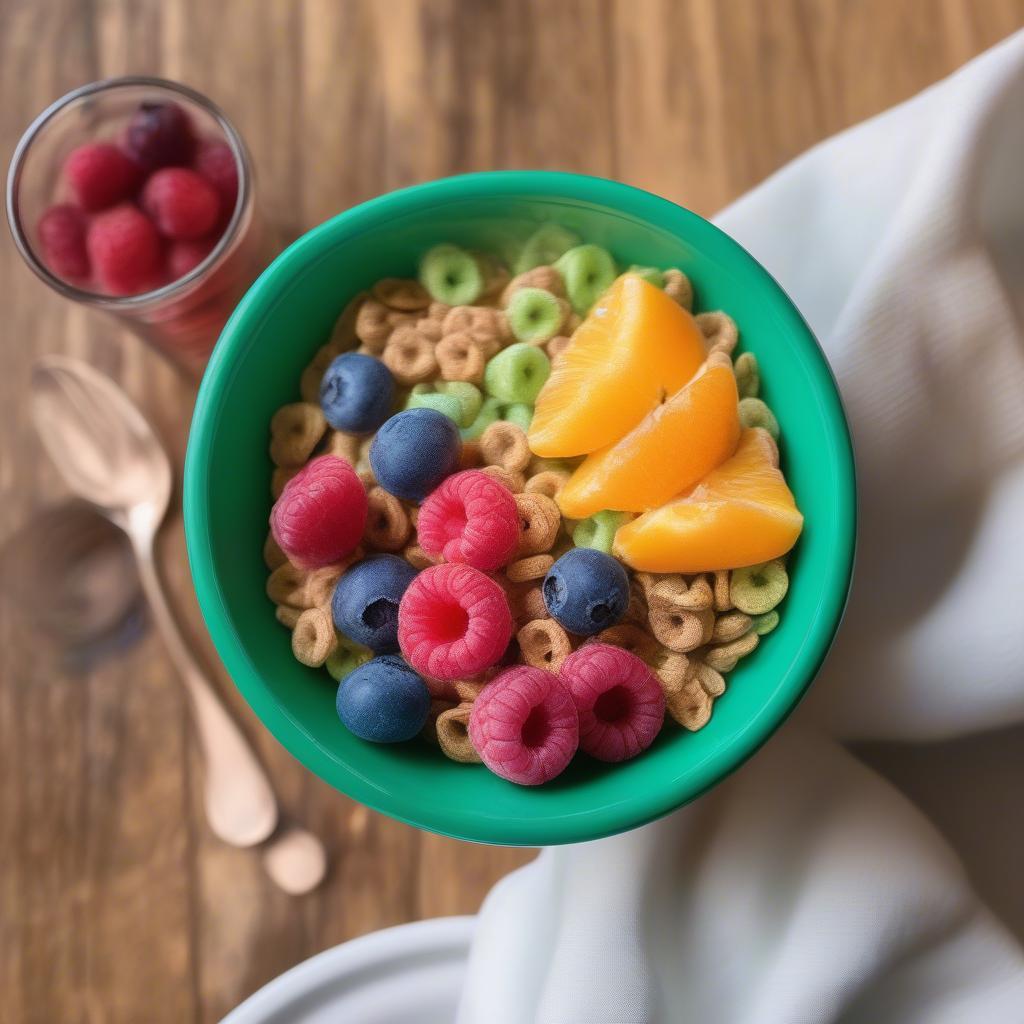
x=356 y=393
x=383 y=701
x=415 y=451
x=365 y=601
x=586 y=591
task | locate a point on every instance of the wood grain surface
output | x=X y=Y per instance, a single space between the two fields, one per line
x=116 y=904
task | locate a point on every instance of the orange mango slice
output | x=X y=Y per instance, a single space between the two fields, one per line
x=741 y=513
x=636 y=346
x=670 y=450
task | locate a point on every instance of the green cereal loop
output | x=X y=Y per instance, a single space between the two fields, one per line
x=467 y=395
x=520 y=414
x=517 y=374
x=490 y=411
x=534 y=315
x=764 y=624
x=543 y=247
x=447 y=405
x=652 y=275
x=757 y=589
x=451 y=275
x=748 y=376
x=754 y=413
x=347 y=657
x=599 y=530
x=589 y=272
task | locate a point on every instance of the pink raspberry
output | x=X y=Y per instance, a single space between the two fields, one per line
x=216 y=163
x=100 y=175
x=182 y=204
x=125 y=250
x=524 y=726
x=453 y=622
x=321 y=513
x=61 y=233
x=183 y=257
x=470 y=518
x=620 y=703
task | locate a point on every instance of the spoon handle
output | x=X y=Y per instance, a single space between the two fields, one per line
x=240 y=804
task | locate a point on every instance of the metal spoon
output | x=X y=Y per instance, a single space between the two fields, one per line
x=109 y=455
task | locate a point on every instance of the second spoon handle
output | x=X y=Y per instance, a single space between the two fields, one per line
x=240 y=805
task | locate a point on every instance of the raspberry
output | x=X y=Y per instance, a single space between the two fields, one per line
x=216 y=163
x=321 y=513
x=453 y=622
x=620 y=703
x=125 y=250
x=160 y=135
x=470 y=518
x=100 y=175
x=61 y=233
x=183 y=257
x=182 y=205
x=524 y=726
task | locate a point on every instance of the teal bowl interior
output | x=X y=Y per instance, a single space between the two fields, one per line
x=255 y=368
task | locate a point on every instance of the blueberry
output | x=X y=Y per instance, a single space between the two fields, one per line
x=383 y=701
x=365 y=601
x=414 y=451
x=160 y=135
x=586 y=591
x=356 y=393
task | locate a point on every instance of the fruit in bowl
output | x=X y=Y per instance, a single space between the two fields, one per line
x=476 y=373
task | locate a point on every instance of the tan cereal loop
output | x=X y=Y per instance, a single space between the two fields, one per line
x=549 y=482
x=730 y=626
x=532 y=606
x=540 y=520
x=402 y=294
x=295 y=430
x=429 y=329
x=515 y=482
x=725 y=657
x=535 y=567
x=690 y=705
x=721 y=587
x=504 y=444
x=678 y=287
x=487 y=328
x=418 y=558
x=468 y=690
x=313 y=374
x=280 y=477
x=674 y=592
x=438 y=707
x=631 y=638
x=711 y=680
x=470 y=457
x=557 y=345
x=672 y=670
x=547 y=278
x=680 y=629
x=409 y=356
x=343 y=334
x=453 y=734
x=273 y=556
x=344 y=446
x=287 y=616
x=460 y=358
x=387 y=524
x=544 y=644
x=313 y=638
x=720 y=331
x=318 y=588
x=372 y=326
x=287 y=585
x=636 y=610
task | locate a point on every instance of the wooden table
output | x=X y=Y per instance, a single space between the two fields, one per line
x=116 y=904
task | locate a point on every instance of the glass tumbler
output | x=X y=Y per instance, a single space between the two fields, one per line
x=182 y=318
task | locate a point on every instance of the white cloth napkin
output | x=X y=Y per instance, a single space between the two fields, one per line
x=805 y=889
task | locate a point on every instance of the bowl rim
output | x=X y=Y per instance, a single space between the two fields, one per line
x=564 y=827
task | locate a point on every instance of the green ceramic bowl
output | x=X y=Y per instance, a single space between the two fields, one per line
x=255 y=368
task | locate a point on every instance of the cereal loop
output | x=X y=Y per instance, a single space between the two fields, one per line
x=372 y=326
x=430 y=329
x=387 y=524
x=399 y=293
x=438 y=706
x=460 y=358
x=711 y=681
x=724 y=658
x=690 y=705
x=535 y=567
x=487 y=328
x=287 y=616
x=679 y=629
x=294 y=432
x=504 y=444
x=754 y=413
x=453 y=734
x=273 y=556
x=721 y=588
x=345 y=446
x=533 y=605
x=540 y=521
x=672 y=592
x=720 y=331
x=631 y=638
x=549 y=482
x=313 y=638
x=544 y=644
x=636 y=610
x=313 y=374
x=556 y=346
x=418 y=558
x=467 y=690
x=278 y=479
x=757 y=589
x=672 y=669
x=748 y=376
x=287 y=585
x=470 y=456
x=319 y=584
x=677 y=286
x=409 y=356
x=730 y=626
x=539 y=277
x=515 y=482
